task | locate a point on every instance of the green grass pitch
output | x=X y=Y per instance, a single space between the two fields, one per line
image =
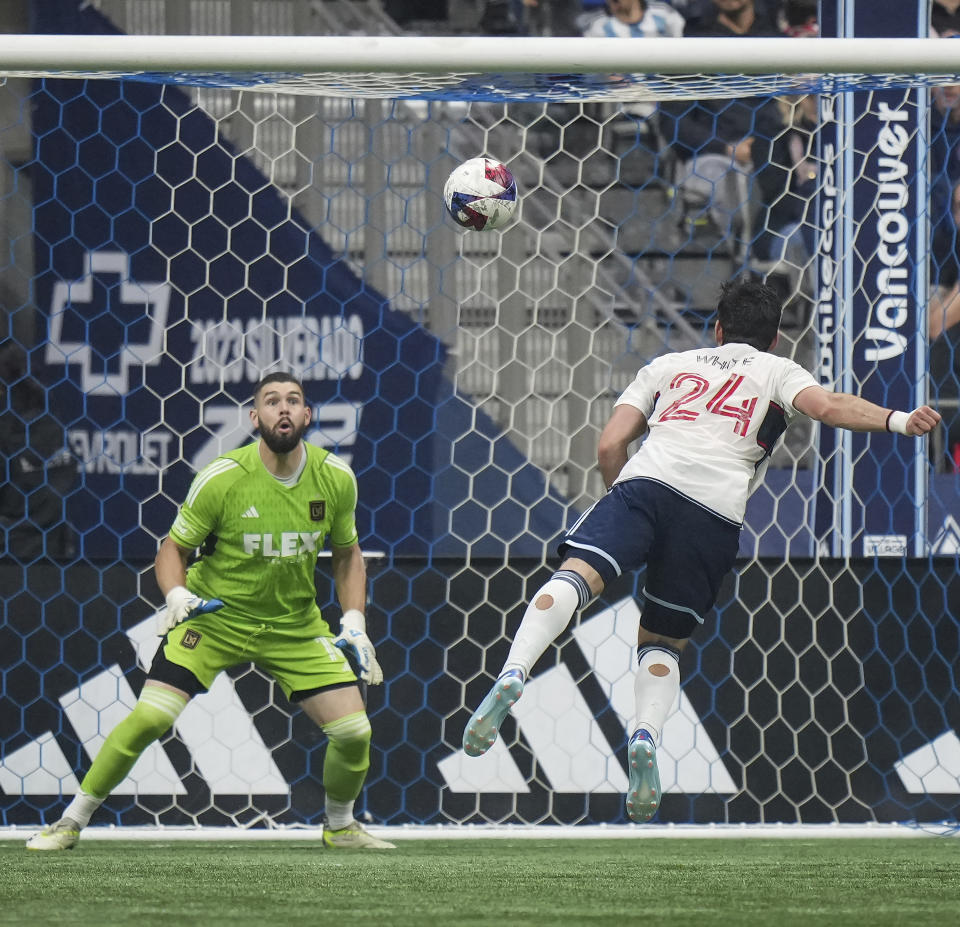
x=703 y=882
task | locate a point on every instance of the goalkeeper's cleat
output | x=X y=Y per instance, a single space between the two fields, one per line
x=643 y=797
x=484 y=725
x=353 y=837
x=63 y=835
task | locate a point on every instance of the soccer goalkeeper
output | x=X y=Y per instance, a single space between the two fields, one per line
x=261 y=515
x=676 y=506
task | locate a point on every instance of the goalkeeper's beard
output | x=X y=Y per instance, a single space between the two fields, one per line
x=282 y=443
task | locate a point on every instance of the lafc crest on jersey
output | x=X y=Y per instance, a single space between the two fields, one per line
x=318 y=510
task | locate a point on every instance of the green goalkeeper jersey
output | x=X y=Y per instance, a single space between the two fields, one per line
x=262 y=536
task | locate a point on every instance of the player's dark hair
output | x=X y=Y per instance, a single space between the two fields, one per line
x=278 y=376
x=749 y=312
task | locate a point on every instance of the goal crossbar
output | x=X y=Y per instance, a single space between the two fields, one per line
x=287 y=63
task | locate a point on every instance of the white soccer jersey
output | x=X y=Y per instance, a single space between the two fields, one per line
x=714 y=416
x=660 y=19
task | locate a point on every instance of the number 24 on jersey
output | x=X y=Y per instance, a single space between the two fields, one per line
x=720 y=403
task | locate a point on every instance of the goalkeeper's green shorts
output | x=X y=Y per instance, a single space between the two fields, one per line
x=301 y=660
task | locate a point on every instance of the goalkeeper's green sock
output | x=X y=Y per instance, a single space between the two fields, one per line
x=155 y=711
x=345 y=765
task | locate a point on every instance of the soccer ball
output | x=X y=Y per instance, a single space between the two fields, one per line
x=481 y=194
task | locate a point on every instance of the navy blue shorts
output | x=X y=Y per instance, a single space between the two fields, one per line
x=687 y=549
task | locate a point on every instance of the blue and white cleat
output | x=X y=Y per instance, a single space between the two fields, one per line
x=484 y=724
x=643 y=797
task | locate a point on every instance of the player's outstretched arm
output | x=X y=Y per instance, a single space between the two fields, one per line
x=843 y=410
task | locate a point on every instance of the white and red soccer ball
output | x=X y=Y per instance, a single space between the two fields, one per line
x=481 y=194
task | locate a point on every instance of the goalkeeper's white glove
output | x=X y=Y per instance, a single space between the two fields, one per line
x=181 y=605
x=353 y=639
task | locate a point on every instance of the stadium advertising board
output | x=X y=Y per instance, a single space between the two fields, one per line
x=823 y=707
x=871 y=286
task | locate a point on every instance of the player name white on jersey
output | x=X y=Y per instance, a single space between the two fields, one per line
x=714 y=415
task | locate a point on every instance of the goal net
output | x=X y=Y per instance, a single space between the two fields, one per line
x=183 y=214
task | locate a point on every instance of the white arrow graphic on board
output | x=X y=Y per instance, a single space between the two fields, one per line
x=567 y=742
x=226 y=747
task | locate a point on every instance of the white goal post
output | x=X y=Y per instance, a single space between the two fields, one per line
x=270 y=62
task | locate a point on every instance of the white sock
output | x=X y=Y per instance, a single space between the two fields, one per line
x=82 y=807
x=339 y=813
x=548 y=613
x=656 y=687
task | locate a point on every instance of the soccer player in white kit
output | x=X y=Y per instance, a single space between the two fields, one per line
x=677 y=506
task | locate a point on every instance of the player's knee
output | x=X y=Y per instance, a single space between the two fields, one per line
x=154 y=714
x=352 y=732
x=658 y=659
x=565 y=588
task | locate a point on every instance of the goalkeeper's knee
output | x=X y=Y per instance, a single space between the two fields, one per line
x=153 y=715
x=155 y=711
x=348 y=755
x=350 y=737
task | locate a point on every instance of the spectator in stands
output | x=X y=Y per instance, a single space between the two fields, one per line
x=692 y=11
x=412 y=11
x=735 y=17
x=39 y=470
x=636 y=19
x=553 y=17
x=723 y=147
x=943 y=316
x=797 y=19
x=789 y=231
x=944 y=153
x=695 y=11
x=945 y=18
x=503 y=17
x=628 y=19
x=944 y=310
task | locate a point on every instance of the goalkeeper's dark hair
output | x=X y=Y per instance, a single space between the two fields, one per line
x=278 y=376
x=749 y=312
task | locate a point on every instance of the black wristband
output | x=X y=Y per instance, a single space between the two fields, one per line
x=886 y=424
